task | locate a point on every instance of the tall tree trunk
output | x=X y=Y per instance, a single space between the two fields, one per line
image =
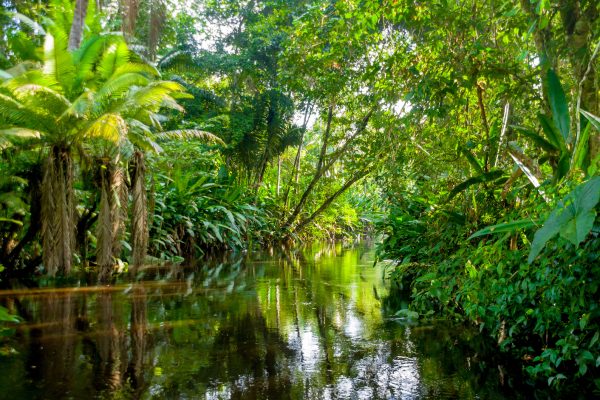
x=110 y=218
x=139 y=211
x=130 y=13
x=157 y=20
x=318 y=172
x=58 y=212
x=577 y=21
x=79 y=15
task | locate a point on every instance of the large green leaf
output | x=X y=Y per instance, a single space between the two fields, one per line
x=487 y=177
x=507 y=227
x=582 y=149
x=472 y=160
x=550 y=130
x=537 y=139
x=558 y=104
x=573 y=217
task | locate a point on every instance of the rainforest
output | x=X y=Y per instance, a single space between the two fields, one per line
x=303 y=199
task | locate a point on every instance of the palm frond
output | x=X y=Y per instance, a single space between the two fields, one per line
x=116 y=87
x=58 y=62
x=139 y=68
x=183 y=134
x=24 y=19
x=88 y=55
x=10 y=136
x=16 y=113
x=21 y=68
x=4 y=75
x=42 y=97
x=114 y=57
x=110 y=127
x=81 y=106
x=153 y=96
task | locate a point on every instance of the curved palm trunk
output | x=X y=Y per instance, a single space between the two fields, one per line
x=110 y=219
x=58 y=212
x=139 y=211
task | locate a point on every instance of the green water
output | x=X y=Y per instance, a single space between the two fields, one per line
x=307 y=323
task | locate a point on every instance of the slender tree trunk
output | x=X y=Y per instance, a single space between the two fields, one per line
x=157 y=19
x=278 y=174
x=318 y=172
x=296 y=169
x=322 y=167
x=486 y=127
x=79 y=15
x=331 y=199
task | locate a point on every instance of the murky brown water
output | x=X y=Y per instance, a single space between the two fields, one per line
x=301 y=324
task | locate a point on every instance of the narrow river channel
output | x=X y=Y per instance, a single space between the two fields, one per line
x=308 y=323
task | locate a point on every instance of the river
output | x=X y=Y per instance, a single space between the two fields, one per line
x=307 y=323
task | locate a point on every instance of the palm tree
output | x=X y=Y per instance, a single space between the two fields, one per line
x=99 y=99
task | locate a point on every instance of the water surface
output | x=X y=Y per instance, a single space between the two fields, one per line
x=306 y=323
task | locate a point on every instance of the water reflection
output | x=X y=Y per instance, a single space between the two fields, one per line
x=294 y=324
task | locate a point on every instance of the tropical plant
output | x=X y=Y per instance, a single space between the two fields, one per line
x=100 y=100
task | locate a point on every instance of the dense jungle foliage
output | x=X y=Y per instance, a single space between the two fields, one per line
x=466 y=133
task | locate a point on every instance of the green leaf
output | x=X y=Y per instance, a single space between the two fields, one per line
x=580 y=153
x=472 y=160
x=573 y=217
x=550 y=130
x=507 y=227
x=558 y=104
x=537 y=139
x=5 y=316
x=487 y=177
x=594 y=120
x=12 y=221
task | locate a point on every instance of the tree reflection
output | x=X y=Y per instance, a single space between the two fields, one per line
x=300 y=323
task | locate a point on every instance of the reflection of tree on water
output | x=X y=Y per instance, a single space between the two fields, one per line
x=108 y=335
x=139 y=321
x=52 y=343
x=296 y=324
